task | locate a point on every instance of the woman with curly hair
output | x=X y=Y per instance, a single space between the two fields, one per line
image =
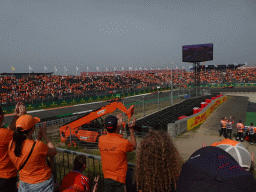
x=158 y=163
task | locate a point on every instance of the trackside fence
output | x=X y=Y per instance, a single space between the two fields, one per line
x=64 y=164
x=143 y=103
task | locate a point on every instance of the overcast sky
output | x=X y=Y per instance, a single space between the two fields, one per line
x=122 y=33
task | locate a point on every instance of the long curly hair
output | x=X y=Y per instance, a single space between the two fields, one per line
x=158 y=163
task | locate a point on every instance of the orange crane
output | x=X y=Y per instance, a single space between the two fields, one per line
x=79 y=132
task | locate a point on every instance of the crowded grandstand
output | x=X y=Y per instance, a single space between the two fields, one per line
x=38 y=87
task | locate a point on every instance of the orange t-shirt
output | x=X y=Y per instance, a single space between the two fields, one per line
x=223 y=123
x=36 y=169
x=7 y=169
x=113 y=150
x=239 y=127
x=75 y=178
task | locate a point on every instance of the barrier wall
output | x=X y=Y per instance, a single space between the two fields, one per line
x=188 y=123
x=199 y=119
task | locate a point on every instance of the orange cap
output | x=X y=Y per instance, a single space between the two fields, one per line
x=26 y=122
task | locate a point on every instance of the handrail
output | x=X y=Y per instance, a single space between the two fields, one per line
x=85 y=154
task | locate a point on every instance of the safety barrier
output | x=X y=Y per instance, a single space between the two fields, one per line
x=188 y=123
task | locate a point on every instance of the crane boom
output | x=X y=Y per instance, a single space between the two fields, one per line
x=99 y=113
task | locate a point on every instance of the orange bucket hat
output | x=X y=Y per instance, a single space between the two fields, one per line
x=26 y=122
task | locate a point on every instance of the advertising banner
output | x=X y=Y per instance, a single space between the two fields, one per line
x=195 y=121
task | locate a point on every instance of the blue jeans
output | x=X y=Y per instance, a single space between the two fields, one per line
x=45 y=186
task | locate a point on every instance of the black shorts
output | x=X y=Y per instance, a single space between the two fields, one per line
x=8 y=185
x=113 y=186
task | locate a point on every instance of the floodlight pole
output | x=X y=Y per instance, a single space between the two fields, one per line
x=197 y=74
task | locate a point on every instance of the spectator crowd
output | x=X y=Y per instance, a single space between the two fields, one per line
x=13 y=89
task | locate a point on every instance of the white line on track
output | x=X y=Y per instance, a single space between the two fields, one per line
x=82 y=112
x=87 y=103
x=36 y=111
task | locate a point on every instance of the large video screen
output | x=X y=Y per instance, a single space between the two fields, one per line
x=197 y=53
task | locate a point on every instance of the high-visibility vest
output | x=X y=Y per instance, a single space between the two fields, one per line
x=240 y=127
x=223 y=123
x=251 y=130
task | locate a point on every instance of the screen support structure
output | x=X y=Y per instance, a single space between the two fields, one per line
x=196 y=66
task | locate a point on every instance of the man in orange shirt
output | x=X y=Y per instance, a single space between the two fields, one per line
x=8 y=172
x=223 y=127
x=240 y=128
x=113 y=149
x=252 y=131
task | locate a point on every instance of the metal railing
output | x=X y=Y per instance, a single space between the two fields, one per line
x=64 y=164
